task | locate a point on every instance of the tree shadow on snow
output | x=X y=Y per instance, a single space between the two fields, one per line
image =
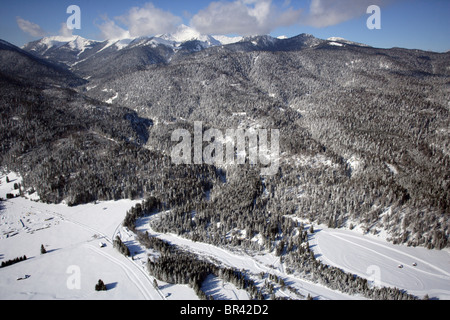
x=134 y=248
x=53 y=250
x=166 y=286
x=110 y=286
x=216 y=294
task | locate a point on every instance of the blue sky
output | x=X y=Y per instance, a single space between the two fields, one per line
x=415 y=24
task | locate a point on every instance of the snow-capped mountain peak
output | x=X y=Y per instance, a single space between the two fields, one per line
x=185 y=34
x=260 y=40
x=80 y=43
x=75 y=43
x=224 y=40
x=118 y=44
x=338 y=40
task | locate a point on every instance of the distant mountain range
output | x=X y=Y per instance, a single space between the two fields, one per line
x=91 y=58
x=75 y=49
x=175 y=40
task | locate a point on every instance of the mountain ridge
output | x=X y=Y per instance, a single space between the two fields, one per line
x=19 y=64
x=99 y=59
x=181 y=35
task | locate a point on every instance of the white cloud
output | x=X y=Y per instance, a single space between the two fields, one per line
x=325 y=13
x=149 y=20
x=31 y=28
x=111 y=31
x=138 y=22
x=64 y=31
x=244 y=17
x=251 y=17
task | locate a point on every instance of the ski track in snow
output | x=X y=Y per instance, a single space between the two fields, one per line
x=131 y=270
x=423 y=262
x=131 y=274
x=362 y=253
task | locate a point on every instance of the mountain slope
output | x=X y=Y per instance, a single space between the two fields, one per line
x=46 y=130
x=362 y=129
x=18 y=64
x=112 y=62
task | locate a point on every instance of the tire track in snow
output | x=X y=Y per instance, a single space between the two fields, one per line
x=142 y=288
x=445 y=274
x=146 y=275
x=411 y=272
x=364 y=273
x=134 y=278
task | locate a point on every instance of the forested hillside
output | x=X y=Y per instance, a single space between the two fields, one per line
x=364 y=138
x=364 y=134
x=74 y=149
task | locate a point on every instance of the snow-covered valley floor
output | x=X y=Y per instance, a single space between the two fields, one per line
x=417 y=270
x=75 y=261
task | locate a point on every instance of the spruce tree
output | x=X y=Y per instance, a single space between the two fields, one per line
x=100 y=286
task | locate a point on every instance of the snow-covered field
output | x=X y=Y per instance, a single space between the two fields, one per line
x=417 y=270
x=75 y=261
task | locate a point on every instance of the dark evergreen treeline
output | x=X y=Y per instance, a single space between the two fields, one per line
x=121 y=247
x=174 y=265
x=303 y=261
x=13 y=261
x=148 y=206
